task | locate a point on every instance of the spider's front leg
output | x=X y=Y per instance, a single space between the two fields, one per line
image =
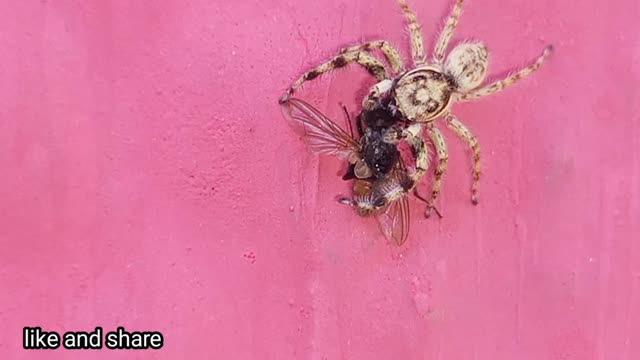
x=370 y=63
x=465 y=134
x=389 y=52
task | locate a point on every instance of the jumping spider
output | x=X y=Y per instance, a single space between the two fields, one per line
x=428 y=90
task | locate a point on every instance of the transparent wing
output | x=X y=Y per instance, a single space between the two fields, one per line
x=321 y=134
x=394 y=221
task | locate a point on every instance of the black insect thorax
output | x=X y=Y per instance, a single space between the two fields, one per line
x=373 y=124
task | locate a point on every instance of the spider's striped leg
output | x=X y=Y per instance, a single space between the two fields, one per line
x=389 y=52
x=447 y=32
x=441 y=151
x=417 y=45
x=465 y=134
x=509 y=80
x=370 y=63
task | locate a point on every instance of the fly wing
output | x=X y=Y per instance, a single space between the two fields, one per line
x=320 y=133
x=394 y=221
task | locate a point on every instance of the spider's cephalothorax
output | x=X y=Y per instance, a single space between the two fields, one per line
x=427 y=90
x=421 y=91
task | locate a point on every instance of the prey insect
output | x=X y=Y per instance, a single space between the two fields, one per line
x=384 y=196
x=378 y=130
x=427 y=91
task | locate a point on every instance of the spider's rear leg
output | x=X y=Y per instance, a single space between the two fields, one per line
x=418 y=148
x=389 y=52
x=509 y=80
x=463 y=133
x=417 y=45
x=441 y=151
x=370 y=63
x=447 y=32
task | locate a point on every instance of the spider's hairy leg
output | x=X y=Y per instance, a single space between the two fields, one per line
x=418 y=147
x=509 y=80
x=395 y=133
x=417 y=45
x=441 y=151
x=370 y=63
x=465 y=134
x=447 y=32
x=389 y=52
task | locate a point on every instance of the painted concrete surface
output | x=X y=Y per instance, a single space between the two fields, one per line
x=150 y=182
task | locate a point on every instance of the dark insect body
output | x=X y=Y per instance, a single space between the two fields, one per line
x=383 y=195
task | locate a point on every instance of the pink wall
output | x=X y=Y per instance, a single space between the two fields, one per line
x=150 y=182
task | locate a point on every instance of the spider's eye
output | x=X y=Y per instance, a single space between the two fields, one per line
x=379 y=202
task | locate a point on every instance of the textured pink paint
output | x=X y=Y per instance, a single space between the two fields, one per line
x=150 y=182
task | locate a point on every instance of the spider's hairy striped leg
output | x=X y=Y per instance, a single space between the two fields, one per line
x=465 y=134
x=441 y=151
x=370 y=63
x=417 y=44
x=389 y=52
x=499 y=85
x=447 y=32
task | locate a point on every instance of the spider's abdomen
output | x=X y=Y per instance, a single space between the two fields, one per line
x=467 y=65
x=423 y=94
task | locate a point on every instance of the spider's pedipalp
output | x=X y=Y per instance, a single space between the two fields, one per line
x=375 y=93
x=509 y=80
x=370 y=63
x=390 y=53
